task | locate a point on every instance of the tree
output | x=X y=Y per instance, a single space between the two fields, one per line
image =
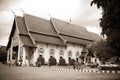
x=110 y=22
x=3 y=54
x=101 y=50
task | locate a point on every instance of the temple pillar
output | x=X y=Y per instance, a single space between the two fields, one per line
x=19 y=52
x=11 y=50
x=8 y=56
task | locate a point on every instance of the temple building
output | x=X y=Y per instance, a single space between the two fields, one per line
x=32 y=36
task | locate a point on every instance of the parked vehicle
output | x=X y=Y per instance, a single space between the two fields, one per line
x=92 y=65
x=109 y=66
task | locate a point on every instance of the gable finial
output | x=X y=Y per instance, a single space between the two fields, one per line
x=50 y=15
x=70 y=20
x=22 y=11
x=13 y=12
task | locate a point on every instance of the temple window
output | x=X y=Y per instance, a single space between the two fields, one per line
x=69 y=53
x=41 y=50
x=61 y=52
x=77 y=54
x=52 y=51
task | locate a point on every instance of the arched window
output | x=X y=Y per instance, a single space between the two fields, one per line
x=61 y=52
x=52 y=51
x=77 y=54
x=69 y=53
x=41 y=50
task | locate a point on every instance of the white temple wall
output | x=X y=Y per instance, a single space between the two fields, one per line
x=45 y=50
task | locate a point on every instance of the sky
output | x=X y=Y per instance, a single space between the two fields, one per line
x=79 y=11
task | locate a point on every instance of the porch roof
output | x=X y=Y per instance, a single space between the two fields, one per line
x=26 y=41
x=47 y=39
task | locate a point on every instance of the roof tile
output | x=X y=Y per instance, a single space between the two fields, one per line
x=47 y=39
x=21 y=25
x=39 y=25
x=71 y=29
x=76 y=40
x=26 y=41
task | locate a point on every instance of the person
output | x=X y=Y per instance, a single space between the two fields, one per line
x=82 y=65
x=38 y=63
x=9 y=63
x=50 y=61
x=20 y=61
x=16 y=63
x=27 y=62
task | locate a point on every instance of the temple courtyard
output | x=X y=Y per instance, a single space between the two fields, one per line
x=52 y=73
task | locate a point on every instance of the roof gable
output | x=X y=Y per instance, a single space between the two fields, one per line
x=34 y=29
x=11 y=34
x=41 y=30
x=20 y=23
x=39 y=25
x=66 y=28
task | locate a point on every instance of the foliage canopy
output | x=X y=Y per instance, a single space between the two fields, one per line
x=110 y=22
x=102 y=50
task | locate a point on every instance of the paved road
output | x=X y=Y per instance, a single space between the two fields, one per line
x=48 y=73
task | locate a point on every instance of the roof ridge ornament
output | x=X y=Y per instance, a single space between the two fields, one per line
x=13 y=12
x=50 y=15
x=70 y=20
x=22 y=11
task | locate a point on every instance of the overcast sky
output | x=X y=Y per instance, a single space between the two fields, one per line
x=80 y=12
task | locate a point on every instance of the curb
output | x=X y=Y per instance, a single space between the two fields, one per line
x=87 y=70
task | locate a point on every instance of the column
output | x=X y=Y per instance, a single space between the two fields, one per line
x=18 y=56
x=24 y=56
x=11 y=51
x=8 y=53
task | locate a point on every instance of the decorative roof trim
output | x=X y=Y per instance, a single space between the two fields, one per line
x=64 y=41
x=11 y=33
x=16 y=25
x=51 y=43
x=28 y=29
x=75 y=37
x=42 y=34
